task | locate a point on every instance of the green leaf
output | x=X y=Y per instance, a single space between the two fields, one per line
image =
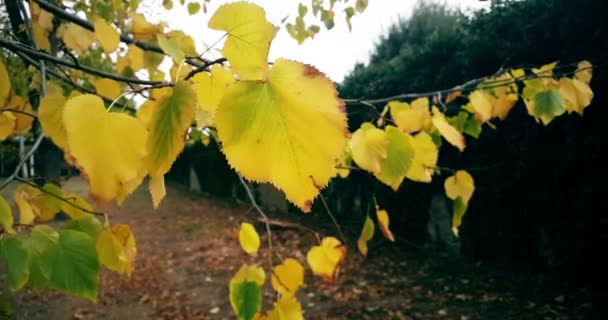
x=361 y=5
x=246 y=298
x=349 y=12
x=17 y=261
x=193 y=8
x=87 y=224
x=548 y=105
x=40 y=239
x=73 y=265
x=460 y=208
x=367 y=233
x=6 y=216
x=171 y=48
x=169 y=122
x=302 y=10
x=399 y=155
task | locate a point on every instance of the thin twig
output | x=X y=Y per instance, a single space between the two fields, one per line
x=332 y=217
x=19 y=47
x=19 y=111
x=13 y=175
x=264 y=216
x=204 y=67
x=60 y=198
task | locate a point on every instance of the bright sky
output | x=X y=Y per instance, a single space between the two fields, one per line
x=334 y=52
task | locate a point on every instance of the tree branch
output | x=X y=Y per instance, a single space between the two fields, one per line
x=59 y=12
x=18 y=47
x=19 y=111
x=13 y=175
x=204 y=67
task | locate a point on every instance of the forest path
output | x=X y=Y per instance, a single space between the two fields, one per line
x=188 y=250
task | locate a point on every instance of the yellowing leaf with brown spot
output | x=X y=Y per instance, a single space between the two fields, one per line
x=157 y=190
x=35 y=204
x=449 y=133
x=107 y=88
x=210 y=88
x=108 y=36
x=135 y=55
x=75 y=206
x=7 y=124
x=76 y=37
x=272 y=120
x=5 y=84
x=383 y=224
x=461 y=185
x=368 y=146
x=249 y=37
x=424 y=160
x=112 y=155
x=116 y=248
x=411 y=117
x=50 y=115
x=367 y=233
x=6 y=216
x=169 y=122
x=325 y=259
x=249 y=238
x=577 y=94
x=287 y=277
x=584 y=71
x=287 y=308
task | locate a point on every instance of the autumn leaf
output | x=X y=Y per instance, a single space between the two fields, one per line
x=383 y=224
x=211 y=87
x=369 y=147
x=367 y=232
x=577 y=94
x=399 y=155
x=287 y=308
x=545 y=105
x=76 y=37
x=23 y=122
x=170 y=48
x=325 y=259
x=411 y=117
x=6 y=216
x=116 y=248
x=169 y=121
x=449 y=133
x=74 y=205
x=112 y=156
x=287 y=277
x=7 y=124
x=482 y=102
x=108 y=36
x=246 y=291
x=584 y=71
x=461 y=185
x=249 y=37
x=135 y=57
x=35 y=204
x=157 y=190
x=5 y=84
x=107 y=88
x=275 y=117
x=249 y=238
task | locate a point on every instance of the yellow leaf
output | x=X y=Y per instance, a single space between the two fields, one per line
x=576 y=93
x=108 y=36
x=7 y=124
x=461 y=185
x=383 y=222
x=107 y=88
x=503 y=105
x=545 y=70
x=41 y=37
x=50 y=115
x=72 y=207
x=76 y=37
x=482 y=102
x=35 y=204
x=399 y=155
x=142 y=29
x=5 y=84
x=22 y=193
x=23 y=122
x=518 y=73
x=6 y=216
x=325 y=259
x=287 y=277
x=276 y=116
x=367 y=232
x=183 y=41
x=424 y=160
x=157 y=190
x=42 y=23
x=112 y=156
x=411 y=118
x=249 y=238
x=184 y=70
x=170 y=48
x=345 y=163
x=249 y=274
x=210 y=88
x=584 y=71
x=449 y=133
x=116 y=248
x=169 y=122
x=369 y=147
x=136 y=57
x=287 y=308
x=249 y=37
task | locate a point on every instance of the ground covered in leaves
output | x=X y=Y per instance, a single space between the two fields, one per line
x=188 y=250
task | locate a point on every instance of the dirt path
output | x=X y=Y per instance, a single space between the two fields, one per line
x=188 y=251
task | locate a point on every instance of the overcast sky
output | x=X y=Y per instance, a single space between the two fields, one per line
x=334 y=52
